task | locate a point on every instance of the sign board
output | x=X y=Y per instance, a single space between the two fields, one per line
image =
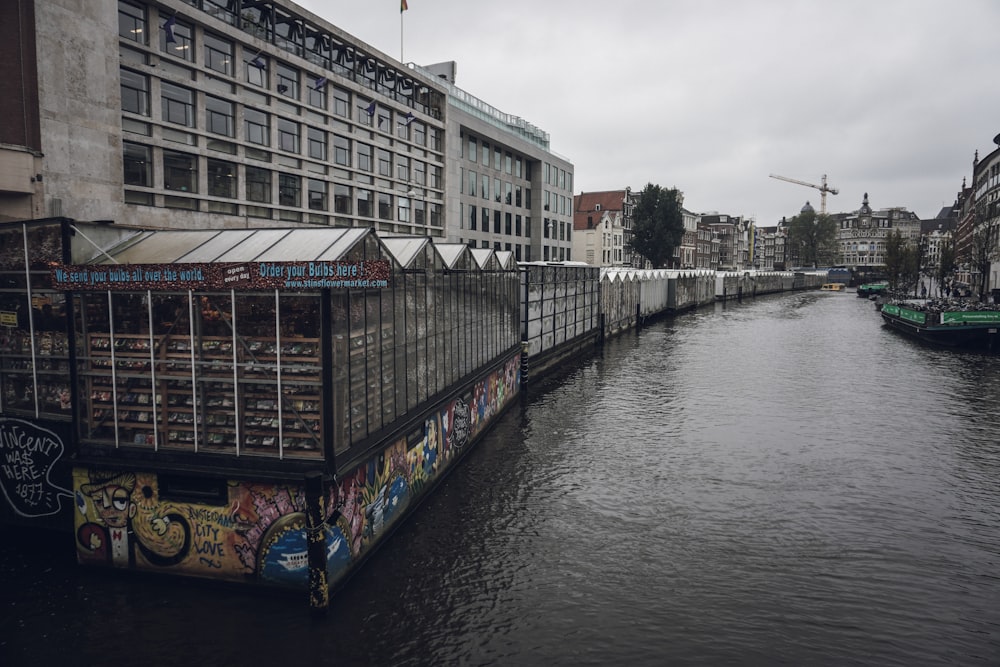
x=293 y=276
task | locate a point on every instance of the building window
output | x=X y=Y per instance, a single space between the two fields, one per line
x=472 y=150
x=384 y=163
x=258 y=185
x=419 y=172
x=180 y=172
x=472 y=218
x=317 y=195
x=341 y=103
x=473 y=182
x=219 y=116
x=364 y=157
x=419 y=216
x=365 y=203
x=218 y=54
x=222 y=179
x=178 y=104
x=257 y=127
x=138 y=164
x=486 y=154
x=288 y=135
x=287 y=81
x=403 y=126
x=317 y=143
x=403 y=212
x=435 y=176
x=402 y=168
x=384 y=206
x=289 y=190
x=255 y=67
x=181 y=46
x=342 y=151
x=135 y=92
x=317 y=94
x=485 y=186
x=341 y=199
x=366 y=111
x=418 y=132
x=131 y=22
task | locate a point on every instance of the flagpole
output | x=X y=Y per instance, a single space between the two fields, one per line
x=401 y=12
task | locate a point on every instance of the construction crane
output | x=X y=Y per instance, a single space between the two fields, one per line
x=823 y=189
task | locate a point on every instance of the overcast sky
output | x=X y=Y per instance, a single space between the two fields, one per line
x=889 y=97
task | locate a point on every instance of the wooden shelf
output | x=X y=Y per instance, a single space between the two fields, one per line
x=234 y=395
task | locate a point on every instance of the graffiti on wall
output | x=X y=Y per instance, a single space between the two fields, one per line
x=260 y=533
x=28 y=453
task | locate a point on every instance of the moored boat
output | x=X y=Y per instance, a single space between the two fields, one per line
x=832 y=287
x=965 y=328
x=872 y=289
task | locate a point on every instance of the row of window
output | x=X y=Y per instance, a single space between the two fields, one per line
x=475 y=184
x=503 y=161
x=181 y=174
x=478 y=150
x=177 y=38
x=178 y=107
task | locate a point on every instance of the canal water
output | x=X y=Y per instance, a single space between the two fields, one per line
x=780 y=481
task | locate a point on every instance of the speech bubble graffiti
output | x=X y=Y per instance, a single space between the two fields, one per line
x=27 y=454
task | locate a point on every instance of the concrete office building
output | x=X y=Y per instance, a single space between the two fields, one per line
x=505 y=189
x=246 y=113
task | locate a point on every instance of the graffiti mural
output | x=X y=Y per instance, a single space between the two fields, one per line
x=28 y=453
x=119 y=521
x=259 y=533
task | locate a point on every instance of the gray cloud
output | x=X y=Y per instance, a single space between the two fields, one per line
x=890 y=98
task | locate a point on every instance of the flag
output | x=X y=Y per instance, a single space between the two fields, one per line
x=168 y=28
x=402 y=6
x=320 y=83
x=257 y=62
x=371 y=109
x=408 y=119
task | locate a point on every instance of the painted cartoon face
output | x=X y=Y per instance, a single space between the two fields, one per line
x=113 y=505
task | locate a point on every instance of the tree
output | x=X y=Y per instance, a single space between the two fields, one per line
x=814 y=236
x=657 y=224
x=897 y=260
x=946 y=263
x=980 y=254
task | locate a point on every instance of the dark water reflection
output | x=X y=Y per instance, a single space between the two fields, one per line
x=778 y=482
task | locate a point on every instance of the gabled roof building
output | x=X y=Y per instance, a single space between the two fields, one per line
x=599 y=223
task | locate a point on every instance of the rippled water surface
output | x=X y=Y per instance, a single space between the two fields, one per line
x=781 y=481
